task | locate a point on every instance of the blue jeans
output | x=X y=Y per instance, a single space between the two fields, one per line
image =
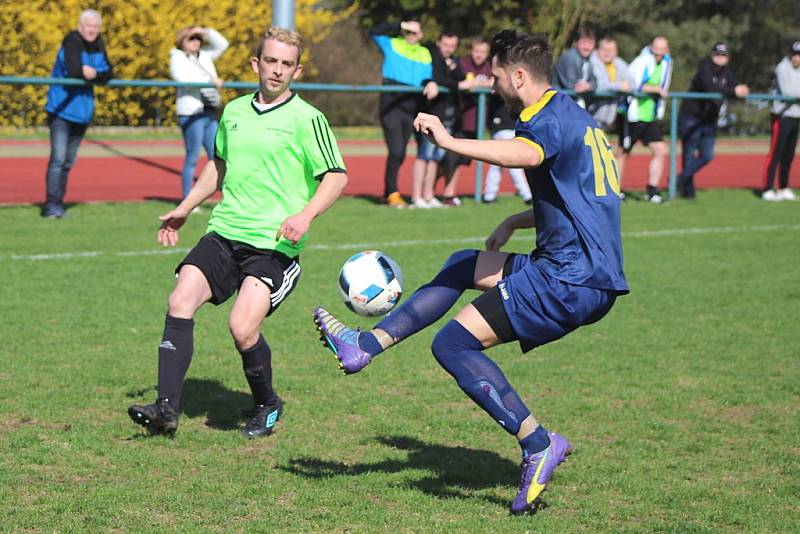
x=65 y=138
x=427 y=151
x=698 y=150
x=198 y=130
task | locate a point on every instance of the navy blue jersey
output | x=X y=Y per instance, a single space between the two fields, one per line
x=576 y=200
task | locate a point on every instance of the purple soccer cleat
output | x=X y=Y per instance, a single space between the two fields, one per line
x=342 y=341
x=537 y=470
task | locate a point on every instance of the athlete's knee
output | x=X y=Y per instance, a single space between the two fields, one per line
x=180 y=304
x=459 y=269
x=245 y=336
x=451 y=342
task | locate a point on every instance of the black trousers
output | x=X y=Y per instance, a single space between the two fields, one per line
x=781 y=151
x=397 y=128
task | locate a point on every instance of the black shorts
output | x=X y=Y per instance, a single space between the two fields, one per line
x=490 y=305
x=226 y=263
x=646 y=132
x=620 y=126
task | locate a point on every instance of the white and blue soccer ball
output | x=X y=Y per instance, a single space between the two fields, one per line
x=370 y=283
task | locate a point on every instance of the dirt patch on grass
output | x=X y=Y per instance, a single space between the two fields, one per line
x=15 y=422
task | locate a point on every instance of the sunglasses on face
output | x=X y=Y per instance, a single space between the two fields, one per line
x=195 y=37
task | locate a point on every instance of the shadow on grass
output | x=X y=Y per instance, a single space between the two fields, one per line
x=373 y=199
x=221 y=406
x=453 y=471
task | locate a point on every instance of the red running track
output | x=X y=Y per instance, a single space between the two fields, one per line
x=139 y=178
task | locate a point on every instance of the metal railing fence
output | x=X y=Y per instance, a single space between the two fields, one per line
x=674 y=98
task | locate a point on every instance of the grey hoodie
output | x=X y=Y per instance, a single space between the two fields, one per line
x=605 y=110
x=787 y=79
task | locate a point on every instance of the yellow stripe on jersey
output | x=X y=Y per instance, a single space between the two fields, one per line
x=528 y=113
x=535 y=145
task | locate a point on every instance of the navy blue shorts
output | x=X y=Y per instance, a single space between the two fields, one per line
x=541 y=308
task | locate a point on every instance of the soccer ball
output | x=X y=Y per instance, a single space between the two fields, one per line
x=370 y=283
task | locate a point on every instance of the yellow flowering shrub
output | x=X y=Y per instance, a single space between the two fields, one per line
x=138 y=36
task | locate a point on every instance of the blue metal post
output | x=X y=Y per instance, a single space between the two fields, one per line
x=673 y=147
x=479 y=131
x=283 y=14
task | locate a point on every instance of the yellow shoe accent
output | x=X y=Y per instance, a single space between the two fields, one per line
x=535 y=488
x=395 y=200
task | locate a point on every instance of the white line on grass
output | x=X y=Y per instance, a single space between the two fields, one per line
x=413 y=242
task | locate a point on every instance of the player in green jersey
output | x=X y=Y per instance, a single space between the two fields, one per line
x=278 y=167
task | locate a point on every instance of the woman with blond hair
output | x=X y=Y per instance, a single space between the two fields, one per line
x=192 y=60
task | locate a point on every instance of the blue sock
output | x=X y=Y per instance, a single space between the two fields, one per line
x=428 y=303
x=535 y=442
x=369 y=343
x=459 y=352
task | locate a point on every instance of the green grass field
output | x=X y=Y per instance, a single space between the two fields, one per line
x=683 y=404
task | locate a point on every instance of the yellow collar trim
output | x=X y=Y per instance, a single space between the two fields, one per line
x=528 y=113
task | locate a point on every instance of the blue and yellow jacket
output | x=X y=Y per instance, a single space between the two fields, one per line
x=403 y=64
x=72 y=102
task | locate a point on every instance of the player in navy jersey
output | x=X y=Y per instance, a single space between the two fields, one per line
x=570 y=279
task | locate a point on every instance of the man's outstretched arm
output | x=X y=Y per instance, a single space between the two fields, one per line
x=207 y=184
x=512 y=153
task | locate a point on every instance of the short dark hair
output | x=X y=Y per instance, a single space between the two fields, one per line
x=447 y=33
x=584 y=32
x=517 y=48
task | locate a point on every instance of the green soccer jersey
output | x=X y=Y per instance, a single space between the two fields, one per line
x=274 y=160
x=647 y=106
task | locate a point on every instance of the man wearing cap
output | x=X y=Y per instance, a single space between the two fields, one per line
x=785 y=126
x=405 y=62
x=697 y=120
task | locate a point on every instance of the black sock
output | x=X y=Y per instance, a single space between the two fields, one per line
x=257 y=364
x=174 y=357
x=652 y=190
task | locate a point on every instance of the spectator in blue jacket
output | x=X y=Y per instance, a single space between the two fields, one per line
x=70 y=107
x=405 y=62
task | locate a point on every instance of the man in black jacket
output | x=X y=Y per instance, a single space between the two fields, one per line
x=698 y=118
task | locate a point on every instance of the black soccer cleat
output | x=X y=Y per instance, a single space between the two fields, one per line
x=263 y=419
x=158 y=418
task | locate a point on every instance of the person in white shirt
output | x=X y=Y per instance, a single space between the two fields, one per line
x=192 y=60
x=785 y=128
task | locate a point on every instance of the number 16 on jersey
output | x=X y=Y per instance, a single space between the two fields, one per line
x=605 y=165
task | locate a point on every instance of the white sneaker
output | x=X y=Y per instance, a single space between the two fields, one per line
x=771 y=195
x=421 y=203
x=787 y=194
x=655 y=198
x=434 y=203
